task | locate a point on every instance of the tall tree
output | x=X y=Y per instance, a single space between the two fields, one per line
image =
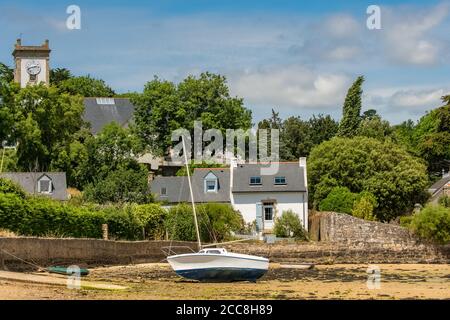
x=85 y=86
x=397 y=179
x=164 y=106
x=59 y=75
x=45 y=122
x=351 y=117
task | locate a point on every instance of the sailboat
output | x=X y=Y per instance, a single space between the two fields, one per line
x=215 y=264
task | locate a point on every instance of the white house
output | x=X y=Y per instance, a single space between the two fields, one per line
x=257 y=196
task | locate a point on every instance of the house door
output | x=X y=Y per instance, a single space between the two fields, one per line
x=268 y=215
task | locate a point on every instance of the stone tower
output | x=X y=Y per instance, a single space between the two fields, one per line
x=31 y=64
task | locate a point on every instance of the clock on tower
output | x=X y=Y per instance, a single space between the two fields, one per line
x=32 y=64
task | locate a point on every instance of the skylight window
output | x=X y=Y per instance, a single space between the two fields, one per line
x=105 y=101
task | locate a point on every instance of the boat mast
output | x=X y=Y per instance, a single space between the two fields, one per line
x=192 y=194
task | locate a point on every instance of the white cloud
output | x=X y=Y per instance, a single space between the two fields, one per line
x=407 y=35
x=291 y=87
x=416 y=99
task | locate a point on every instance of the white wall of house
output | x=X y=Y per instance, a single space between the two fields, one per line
x=247 y=204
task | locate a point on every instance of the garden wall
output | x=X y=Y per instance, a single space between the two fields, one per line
x=344 y=228
x=83 y=252
x=328 y=253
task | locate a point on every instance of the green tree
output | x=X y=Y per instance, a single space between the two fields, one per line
x=111 y=149
x=164 y=107
x=396 y=179
x=433 y=222
x=120 y=186
x=85 y=86
x=45 y=122
x=290 y=225
x=340 y=199
x=351 y=117
x=364 y=206
x=59 y=75
x=374 y=127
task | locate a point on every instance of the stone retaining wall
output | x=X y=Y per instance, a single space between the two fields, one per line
x=343 y=228
x=327 y=253
x=83 y=252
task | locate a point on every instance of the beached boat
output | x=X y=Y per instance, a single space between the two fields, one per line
x=215 y=264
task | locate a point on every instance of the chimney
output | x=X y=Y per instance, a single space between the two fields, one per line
x=46 y=43
x=18 y=42
x=302 y=164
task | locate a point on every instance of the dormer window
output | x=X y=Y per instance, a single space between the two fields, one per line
x=254 y=181
x=280 y=180
x=45 y=185
x=211 y=183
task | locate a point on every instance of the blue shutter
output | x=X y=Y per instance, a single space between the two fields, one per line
x=259 y=217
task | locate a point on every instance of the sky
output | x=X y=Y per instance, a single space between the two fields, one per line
x=297 y=57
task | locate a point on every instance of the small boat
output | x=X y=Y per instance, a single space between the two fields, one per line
x=215 y=264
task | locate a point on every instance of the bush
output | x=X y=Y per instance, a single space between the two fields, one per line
x=397 y=179
x=8 y=186
x=445 y=201
x=216 y=222
x=150 y=217
x=340 y=199
x=290 y=225
x=364 y=206
x=433 y=223
x=36 y=216
x=120 y=186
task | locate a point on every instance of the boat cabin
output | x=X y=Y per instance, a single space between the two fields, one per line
x=213 y=251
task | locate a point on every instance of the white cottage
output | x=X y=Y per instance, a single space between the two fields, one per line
x=256 y=193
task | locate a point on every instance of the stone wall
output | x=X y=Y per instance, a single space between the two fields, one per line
x=343 y=228
x=327 y=253
x=83 y=252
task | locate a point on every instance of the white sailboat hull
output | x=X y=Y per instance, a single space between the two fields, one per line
x=219 y=267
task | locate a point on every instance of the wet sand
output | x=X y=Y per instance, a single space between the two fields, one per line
x=158 y=281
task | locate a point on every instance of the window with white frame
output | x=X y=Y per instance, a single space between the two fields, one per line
x=280 y=180
x=45 y=185
x=211 y=185
x=164 y=191
x=255 y=180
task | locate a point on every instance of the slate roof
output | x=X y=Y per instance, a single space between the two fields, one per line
x=293 y=173
x=177 y=188
x=438 y=185
x=101 y=114
x=29 y=182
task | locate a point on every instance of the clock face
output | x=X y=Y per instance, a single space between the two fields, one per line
x=33 y=67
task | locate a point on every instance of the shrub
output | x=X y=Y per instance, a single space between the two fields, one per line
x=150 y=217
x=433 y=223
x=445 y=201
x=216 y=222
x=290 y=225
x=364 y=206
x=397 y=179
x=340 y=199
x=120 y=186
x=8 y=186
x=36 y=216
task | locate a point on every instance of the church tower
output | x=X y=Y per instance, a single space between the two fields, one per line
x=31 y=64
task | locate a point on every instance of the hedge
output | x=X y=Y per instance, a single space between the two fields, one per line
x=38 y=216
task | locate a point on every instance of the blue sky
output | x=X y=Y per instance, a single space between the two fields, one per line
x=298 y=57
